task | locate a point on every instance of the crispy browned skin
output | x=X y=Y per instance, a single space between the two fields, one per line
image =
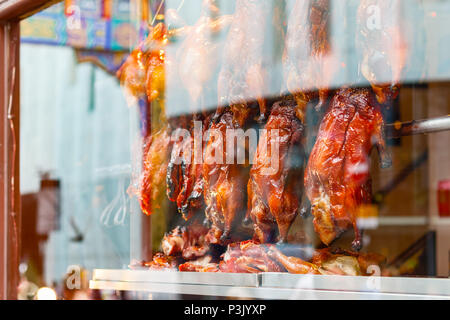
x=189 y=242
x=162 y=262
x=247 y=257
x=185 y=175
x=382 y=46
x=293 y=264
x=327 y=258
x=307 y=60
x=174 y=241
x=337 y=179
x=142 y=76
x=223 y=183
x=155 y=59
x=273 y=189
x=143 y=71
x=242 y=75
x=155 y=159
x=327 y=261
x=132 y=73
x=192 y=266
x=174 y=175
x=370 y=259
x=203 y=264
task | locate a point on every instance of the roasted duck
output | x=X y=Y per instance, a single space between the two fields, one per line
x=132 y=75
x=197 y=61
x=273 y=190
x=185 y=172
x=326 y=261
x=308 y=62
x=242 y=77
x=337 y=261
x=155 y=57
x=382 y=45
x=152 y=181
x=142 y=76
x=223 y=182
x=292 y=264
x=337 y=179
x=247 y=257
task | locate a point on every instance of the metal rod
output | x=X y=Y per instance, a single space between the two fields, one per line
x=398 y=129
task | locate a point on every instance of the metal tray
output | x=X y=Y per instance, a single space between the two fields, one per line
x=175 y=277
x=400 y=285
x=271 y=285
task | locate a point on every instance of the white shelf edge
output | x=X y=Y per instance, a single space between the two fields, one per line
x=256 y=293
x=272 y=285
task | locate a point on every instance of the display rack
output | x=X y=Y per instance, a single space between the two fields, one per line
x=271 y=285
x=395 y=130
x=284 y=285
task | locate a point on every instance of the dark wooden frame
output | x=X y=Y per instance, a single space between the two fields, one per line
x=11 y=12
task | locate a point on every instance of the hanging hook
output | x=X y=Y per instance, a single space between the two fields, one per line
x=157 y=12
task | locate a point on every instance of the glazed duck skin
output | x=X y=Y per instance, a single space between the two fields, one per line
x=273 y=189
x=203 y=264
x=184 y=177
x=247 y=257
x=329 y=259
x=155 y=159
x=155 y=59
x=142 y=76
x=161 y=262
x=326 y=261
x=189 y=242
x=223 y=183
x=337 y=179
x=293 y=264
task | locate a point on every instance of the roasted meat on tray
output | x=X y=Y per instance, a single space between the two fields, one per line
x=161 y=262
x=337 y=179
x=189 y=242
x=242 y=77
x=327 y=261
x=203 y=264
x=247 y=257
x=308 y=61
x=224 y=183
x=382 y=45
x=338 y=261
x=292 y=264
x=274 y=191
